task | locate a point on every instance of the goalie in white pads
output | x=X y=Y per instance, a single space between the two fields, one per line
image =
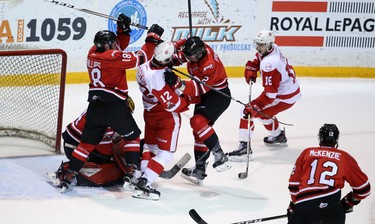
x=281 y=91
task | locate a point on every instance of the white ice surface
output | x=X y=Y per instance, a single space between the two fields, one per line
x=26 y=197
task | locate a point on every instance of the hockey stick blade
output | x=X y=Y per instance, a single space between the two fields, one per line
x=196 y=217
x=261 y=219
x=243 y=175
x=169 y=174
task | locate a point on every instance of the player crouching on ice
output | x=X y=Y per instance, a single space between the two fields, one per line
x=106 y=165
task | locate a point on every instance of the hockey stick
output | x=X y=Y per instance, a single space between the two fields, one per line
x=92 y=12
x=225 y=95
x=169 y=174
x=198 y=219
x=244 y=175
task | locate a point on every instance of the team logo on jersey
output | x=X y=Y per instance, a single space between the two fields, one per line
x=137 y=14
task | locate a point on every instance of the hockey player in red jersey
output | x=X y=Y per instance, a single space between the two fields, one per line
x=106 y=164
x=281 y=91
x=317 y=178
x=108 y=91
x=204 y=65
x=162 y=108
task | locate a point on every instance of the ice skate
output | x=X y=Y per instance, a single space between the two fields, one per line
x=221 y=161
x=69 y=181
x=57 y=177
x=195 y=174
x=145 y=191
x=279 y=141
x=131 y=180
x=240 y=154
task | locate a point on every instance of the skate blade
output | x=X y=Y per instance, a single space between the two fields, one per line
x=193 y=180
x=55 y=181
x=277 y=144
x=242 y=158
x=129 y=187
x=147 y=196
x=65 y=189
x=223 y=167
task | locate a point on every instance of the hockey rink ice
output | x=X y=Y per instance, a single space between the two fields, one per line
x=26 y=197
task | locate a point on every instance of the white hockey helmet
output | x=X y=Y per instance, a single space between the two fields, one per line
x=266 y=37
x=163 y=53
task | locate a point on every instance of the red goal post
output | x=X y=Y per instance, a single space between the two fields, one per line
x=32 y=88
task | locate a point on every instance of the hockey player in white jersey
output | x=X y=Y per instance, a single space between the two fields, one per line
x=281 y=91
x=162 y=108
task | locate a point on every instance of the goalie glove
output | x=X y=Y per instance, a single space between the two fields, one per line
x=348 y=202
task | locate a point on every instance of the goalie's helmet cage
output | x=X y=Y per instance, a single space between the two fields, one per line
x=102 y=38
x=163 y=52
x=264 y=37
x=328 y=135
x=194 y=46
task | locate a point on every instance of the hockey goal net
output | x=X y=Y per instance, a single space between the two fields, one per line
x=32 y=84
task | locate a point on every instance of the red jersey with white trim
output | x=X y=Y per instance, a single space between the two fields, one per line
x=156 y=94
x=74 y=130
x=278 y=77
x=107 y=71
x=209 y=70
x=322 y=171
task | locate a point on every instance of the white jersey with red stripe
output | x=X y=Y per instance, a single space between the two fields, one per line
x=278 y=77
x=156 y=94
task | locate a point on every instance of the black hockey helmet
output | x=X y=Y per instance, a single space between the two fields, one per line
x=194 y=46
x=102 y=38
x=329 y=135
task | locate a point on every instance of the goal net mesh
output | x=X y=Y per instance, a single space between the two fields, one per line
x=32 y=83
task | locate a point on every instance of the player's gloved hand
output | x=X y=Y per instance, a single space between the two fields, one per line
x=252 y=108
x=290 y=210
x=178 y=58
x=251 y=71
x=154 y=34
x=130 y=103
x=348 y=202
x=123 y=24
x=172 y=79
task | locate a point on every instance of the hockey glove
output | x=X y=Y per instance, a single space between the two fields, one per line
x=348 y=202
x=172 y=79
x=251 y=71
x=252 y=108
x=130 y=103
x=290 y=210
x=154 y=34
x=123 y=24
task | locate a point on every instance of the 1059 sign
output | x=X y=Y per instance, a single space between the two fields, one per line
x=62 y=30
x=46 y=30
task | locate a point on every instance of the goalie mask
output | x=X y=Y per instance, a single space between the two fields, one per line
x=104 y=37
x=194 y=49
x=329 y=135
x=263 y=41
x=163 y=53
